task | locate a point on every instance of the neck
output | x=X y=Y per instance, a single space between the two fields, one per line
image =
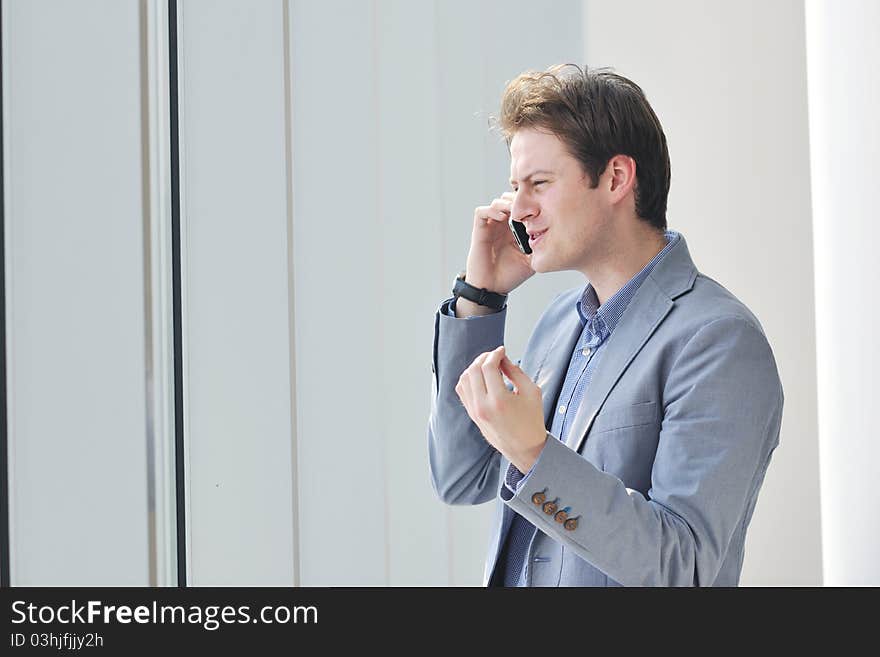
x=625 y=255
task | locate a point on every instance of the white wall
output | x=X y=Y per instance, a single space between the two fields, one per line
x=842 y=55
x=75 y=296
x=728 y=82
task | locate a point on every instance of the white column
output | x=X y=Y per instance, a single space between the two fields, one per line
x=77 y=311
x=842 y=54
x=236 y=305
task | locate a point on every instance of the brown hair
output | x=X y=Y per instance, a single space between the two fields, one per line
x=597 y=114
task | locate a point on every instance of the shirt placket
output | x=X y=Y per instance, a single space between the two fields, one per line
x=584 y=354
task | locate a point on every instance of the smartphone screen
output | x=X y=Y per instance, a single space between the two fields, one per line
x=520 y=234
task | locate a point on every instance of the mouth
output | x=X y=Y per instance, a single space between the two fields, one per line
x=537 y=236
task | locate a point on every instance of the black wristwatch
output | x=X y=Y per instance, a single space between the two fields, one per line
x=480 y=296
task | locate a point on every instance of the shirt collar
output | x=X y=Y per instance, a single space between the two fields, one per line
x=600 y=321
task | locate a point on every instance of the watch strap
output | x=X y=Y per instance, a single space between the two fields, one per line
x=479 y=295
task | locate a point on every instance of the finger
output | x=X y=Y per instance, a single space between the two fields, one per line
x=502 y=205
x=475 y=378
x=505 y=365
x=462 y=388
x=492 y=373
x=478 y=361
x=470 y=401
x=509 y=195
x=485 y=213
x=513 y=372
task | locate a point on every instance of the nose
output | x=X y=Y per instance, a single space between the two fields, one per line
x=523 y=207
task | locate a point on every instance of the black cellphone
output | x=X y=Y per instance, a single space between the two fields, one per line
x=520 y=234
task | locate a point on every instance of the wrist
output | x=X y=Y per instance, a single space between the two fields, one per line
x=526 y=461
x=465 y=308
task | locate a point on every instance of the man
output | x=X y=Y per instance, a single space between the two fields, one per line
x=632 y=440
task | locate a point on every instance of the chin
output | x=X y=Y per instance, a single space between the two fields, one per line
x=535 y=264
x=541 y=265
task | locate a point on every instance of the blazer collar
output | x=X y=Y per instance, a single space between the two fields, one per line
x=672 y=277
x=675 y=274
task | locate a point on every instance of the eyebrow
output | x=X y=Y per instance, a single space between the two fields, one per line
x=533 y=174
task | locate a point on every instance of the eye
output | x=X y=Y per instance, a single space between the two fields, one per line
x=539 y=182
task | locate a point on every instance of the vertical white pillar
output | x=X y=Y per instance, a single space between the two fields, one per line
x=76 y=320
x=235 y=304
x=844 y=101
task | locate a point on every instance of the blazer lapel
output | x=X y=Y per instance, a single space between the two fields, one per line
x=673 y=276
x=646 y=310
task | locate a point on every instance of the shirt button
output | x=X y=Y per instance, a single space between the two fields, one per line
x=587 y=351
x=562 y=409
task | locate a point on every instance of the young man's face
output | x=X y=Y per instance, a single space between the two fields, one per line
x=564 y=217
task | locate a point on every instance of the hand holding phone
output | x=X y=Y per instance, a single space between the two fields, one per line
x=495 y=261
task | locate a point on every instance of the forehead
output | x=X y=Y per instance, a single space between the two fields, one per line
x=535 y=149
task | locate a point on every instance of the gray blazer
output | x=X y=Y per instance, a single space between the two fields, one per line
x=667 y=452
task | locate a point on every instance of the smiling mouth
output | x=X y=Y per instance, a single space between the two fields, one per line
x=535 y=237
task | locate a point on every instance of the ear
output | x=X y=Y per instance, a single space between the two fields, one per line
x=621 y=172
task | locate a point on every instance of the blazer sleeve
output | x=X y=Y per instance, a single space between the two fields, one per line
x=464 y=466
x=721 y=419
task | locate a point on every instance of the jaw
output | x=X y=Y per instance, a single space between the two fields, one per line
x=540 y=263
